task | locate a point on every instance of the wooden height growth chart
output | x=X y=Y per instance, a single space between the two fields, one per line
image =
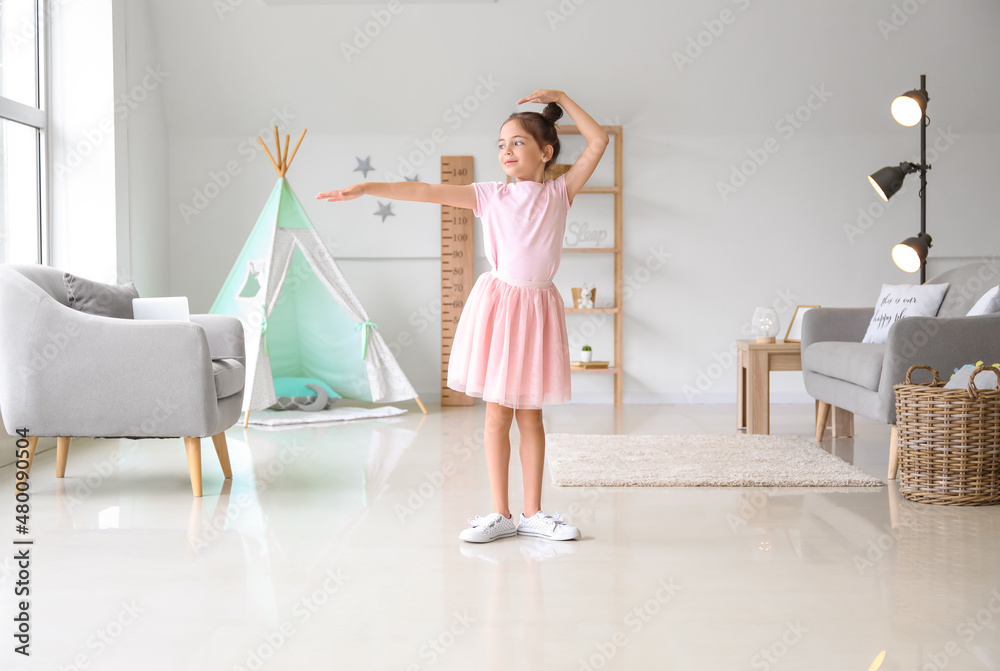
x=457 y=266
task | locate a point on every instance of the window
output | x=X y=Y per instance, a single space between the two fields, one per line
x=22 y=132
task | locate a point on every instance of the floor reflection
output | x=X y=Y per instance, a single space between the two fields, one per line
x=513 y=570
x=863 y=569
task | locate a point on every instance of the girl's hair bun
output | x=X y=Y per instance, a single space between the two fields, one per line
x=552 y=112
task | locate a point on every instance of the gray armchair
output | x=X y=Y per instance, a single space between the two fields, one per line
x=67 y=373
x=842 y=372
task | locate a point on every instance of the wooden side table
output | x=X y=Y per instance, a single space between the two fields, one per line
x=753 y=380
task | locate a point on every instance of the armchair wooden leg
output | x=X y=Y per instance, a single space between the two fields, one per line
x=822 y=415
x=193 y=447
x=222 y=450
x=843 y=423
x=893 y=453
x=32 y=444
x=62 y=454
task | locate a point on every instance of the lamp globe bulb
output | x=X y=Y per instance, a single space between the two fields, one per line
x=907 y=110
x=906 y=258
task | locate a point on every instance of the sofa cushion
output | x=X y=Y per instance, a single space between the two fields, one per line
x=993 y=306
x=854 y=362
x=988 y=303
x=229 y=377
x=898 y=301
x=97 y=298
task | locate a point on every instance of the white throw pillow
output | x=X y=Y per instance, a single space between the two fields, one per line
x=986 y=305
x=994 y=305
x=897 y=301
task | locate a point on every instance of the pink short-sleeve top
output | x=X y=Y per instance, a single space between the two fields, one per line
x=523 y=226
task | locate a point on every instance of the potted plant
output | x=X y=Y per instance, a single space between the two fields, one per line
x=586 y=353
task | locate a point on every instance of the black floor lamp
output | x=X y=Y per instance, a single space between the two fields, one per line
x=909 y=109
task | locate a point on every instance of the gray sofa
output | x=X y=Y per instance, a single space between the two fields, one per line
x=842 y=372
x=67 y=373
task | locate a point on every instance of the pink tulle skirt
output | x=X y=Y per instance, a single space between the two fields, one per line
x=511 y=346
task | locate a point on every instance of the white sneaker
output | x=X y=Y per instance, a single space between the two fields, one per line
x=489 y=528
x=547 y=526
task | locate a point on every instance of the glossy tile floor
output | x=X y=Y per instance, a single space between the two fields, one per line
x=336 y=548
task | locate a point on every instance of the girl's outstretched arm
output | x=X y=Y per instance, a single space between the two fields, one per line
x=597 y=139
x=444 y=194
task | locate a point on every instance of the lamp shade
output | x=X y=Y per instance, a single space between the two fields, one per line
x=887 y=181
x=911 y=253
x=908 y=109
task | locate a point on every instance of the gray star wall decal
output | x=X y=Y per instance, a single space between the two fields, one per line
x=385 y=210
x=415 y=178
x=364 y=166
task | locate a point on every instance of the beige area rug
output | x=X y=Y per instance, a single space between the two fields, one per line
x=724 y=460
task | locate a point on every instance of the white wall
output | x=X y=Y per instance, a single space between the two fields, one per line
x=784 y=236
x=139 y=106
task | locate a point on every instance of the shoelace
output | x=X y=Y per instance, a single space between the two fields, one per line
x=554 y=520
x=485 y=522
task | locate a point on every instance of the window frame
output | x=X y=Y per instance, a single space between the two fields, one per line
x=37 y=117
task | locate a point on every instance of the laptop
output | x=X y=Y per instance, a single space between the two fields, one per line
x=166 y=307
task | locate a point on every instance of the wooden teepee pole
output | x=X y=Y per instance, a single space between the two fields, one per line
x=288 y=163
x=259 y=139
x=277 y=143
x=284 y=166
x=284 y=161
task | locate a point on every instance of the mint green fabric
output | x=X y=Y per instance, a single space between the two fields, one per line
x=296 y=386
x=292 y=213
x=257 y=246
x=300 y=317
x=310 y=335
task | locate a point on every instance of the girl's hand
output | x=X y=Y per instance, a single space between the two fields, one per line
x=350 y=193
x=542 y=96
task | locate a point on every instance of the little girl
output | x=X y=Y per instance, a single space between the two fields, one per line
x=510 y=346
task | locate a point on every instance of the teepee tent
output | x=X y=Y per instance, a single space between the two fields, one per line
x=299 y=315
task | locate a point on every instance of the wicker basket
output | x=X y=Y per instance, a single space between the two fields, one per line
x=949 y=441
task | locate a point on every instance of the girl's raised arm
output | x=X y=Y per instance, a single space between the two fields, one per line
x=597 y=139
x=456 y=195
